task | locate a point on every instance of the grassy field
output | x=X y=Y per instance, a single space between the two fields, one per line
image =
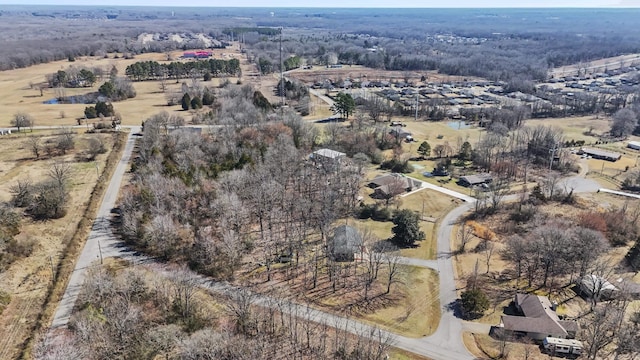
x=27 y=279
x=17 y=94
x=418 y=313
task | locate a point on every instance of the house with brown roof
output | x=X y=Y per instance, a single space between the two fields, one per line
x=538 y=319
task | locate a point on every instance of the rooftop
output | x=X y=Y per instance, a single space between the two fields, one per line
x=328 y=153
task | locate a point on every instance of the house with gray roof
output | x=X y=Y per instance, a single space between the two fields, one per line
x=538 y=319
x=327 y=158
x=475 y=180
x=389 y=185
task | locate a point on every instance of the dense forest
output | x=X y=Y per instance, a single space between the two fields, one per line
x=498 y=44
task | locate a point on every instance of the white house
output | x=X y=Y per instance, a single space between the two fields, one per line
x=635 y=145
x=327 y=158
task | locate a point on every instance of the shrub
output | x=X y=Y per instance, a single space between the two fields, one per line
x=374 y=212
x=482 y=231
x=397 y=166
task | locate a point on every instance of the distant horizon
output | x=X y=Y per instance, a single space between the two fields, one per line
x=353 y=4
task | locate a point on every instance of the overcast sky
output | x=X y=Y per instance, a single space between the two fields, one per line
x=343 y=3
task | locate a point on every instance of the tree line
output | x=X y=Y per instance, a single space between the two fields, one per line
x=152 y=70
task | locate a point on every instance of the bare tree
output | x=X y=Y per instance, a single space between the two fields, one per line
x=60 y=173
x=164 y=339
x=185 y=285
x=372 y=263
x=59 y=348
x=65 y=140
x=394 y=273
x=599 y=329
x=240 y=308
x=497 y=191
x=466 y=234
x=624 y=122
x=488 y=252
x=22 y=120
x=95 y=147
x=35 y=145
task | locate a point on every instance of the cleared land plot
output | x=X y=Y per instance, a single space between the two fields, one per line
x=27 y=279
x=577 y=128
x=18 y=95
x=361 y=73
x=599 y=65
x=417 y=314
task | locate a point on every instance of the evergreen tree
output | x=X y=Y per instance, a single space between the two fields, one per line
x=407 y=228
x=465 y=151
x=196 y=103
x=424 y=149
x=474 y=303
x=344 y=105
x=186 y=101
x=207 y=97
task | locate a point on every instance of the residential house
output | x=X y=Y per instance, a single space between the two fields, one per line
x=390 y=185
x=538 y=319
x=327 y=158
x=635 y=145
x=475 y=180
x=597 y=287
x=345 y=243
x=600 y=154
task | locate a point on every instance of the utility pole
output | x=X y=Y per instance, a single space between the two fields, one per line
x=417 y=95
x=553 y=153
x=100 y=251
x=53 y=272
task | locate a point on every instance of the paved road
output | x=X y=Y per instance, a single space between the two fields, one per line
x=101 y=241
x=621 y=193
x=430 y=264
x=426 y=185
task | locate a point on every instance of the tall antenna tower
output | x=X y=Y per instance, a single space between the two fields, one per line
x=281 y=73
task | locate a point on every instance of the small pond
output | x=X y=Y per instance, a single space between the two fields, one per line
x=458 y=125
x=75 y=99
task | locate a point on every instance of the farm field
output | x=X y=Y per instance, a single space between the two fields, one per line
x=27 y=280
x=20 y=93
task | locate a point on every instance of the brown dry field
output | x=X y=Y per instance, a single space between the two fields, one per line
x=595 y=66
x=16 y=94
x=27 y=279
x=358 y=72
